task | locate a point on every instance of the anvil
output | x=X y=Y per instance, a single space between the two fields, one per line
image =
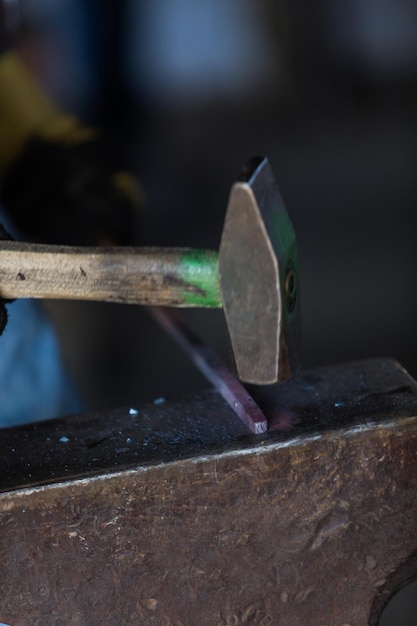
x=174 y=514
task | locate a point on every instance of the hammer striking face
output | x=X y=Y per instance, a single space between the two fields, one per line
x=259 y=278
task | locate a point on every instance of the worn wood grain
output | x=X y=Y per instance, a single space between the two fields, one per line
x=157 y=276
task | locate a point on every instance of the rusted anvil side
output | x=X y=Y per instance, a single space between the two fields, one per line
x=187 y=520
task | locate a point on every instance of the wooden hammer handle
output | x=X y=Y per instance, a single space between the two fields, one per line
x=156 y=276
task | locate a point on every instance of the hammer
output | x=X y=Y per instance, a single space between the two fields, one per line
x=254 y=276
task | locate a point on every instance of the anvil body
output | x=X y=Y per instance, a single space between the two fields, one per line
x=171 y=514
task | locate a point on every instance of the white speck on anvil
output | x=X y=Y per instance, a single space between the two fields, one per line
x=133 y=411
x=64 y=439
x=128 y=440
x=159 y=401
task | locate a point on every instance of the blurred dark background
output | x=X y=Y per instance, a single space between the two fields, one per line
x=188 y=91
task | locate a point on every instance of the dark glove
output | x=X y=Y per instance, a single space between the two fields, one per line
x=4 y=316
x=70 y=193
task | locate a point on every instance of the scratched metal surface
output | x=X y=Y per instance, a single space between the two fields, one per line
x=324 y=399
x=175 y=516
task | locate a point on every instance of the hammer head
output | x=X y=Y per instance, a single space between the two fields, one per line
x=259 y=278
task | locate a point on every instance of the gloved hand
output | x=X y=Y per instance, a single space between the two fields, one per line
x=4 y=316
x=58 y=180
x=63 y=193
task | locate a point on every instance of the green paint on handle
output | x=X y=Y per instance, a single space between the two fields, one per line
x=199 y=270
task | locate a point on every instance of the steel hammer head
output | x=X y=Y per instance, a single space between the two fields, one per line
x=259 y=278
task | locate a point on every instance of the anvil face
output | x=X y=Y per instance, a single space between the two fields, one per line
x=164 y=513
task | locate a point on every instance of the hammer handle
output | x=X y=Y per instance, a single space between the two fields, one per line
x=180 y=277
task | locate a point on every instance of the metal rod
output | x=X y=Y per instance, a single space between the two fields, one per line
x=214 y=370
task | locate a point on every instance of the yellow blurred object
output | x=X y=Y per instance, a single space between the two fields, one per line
x=58 y=179
x=26 y=112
